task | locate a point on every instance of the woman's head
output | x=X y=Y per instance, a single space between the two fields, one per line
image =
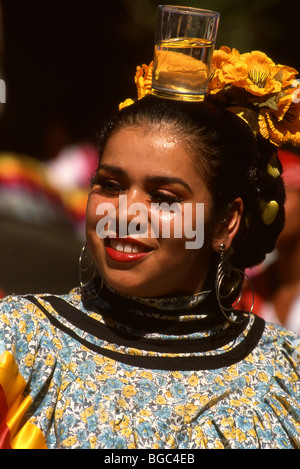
x=219 y=150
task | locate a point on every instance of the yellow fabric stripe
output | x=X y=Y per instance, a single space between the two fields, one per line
x=29 y=436
x=12 y=382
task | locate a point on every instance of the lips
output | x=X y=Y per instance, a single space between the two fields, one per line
x=126 y=249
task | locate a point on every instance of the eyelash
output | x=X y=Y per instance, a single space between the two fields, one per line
x=113 y=188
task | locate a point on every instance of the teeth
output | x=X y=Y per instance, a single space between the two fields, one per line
x=125 y=247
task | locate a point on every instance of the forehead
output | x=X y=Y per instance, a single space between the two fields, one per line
x=151 y=145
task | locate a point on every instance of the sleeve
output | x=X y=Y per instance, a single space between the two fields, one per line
x=15 y=431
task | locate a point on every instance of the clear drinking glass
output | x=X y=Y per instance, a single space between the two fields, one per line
x=184 y=44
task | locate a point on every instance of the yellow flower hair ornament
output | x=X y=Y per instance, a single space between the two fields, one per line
x=251 y=85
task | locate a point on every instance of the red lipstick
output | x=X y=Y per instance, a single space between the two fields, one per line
x=126 y=249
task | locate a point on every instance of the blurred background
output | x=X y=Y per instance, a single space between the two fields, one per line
x=66 y=66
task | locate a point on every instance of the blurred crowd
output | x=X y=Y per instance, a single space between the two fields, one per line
x=42 y=218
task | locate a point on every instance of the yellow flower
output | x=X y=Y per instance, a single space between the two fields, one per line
x=103 y=417
x=126 y=432
x=109 y=369
x=160 y=399
x=143 y=79
x=93 y=441
x=146 y=374
x=221 y=59
x=49 y=360
x=125 y=103
x=129 y=391
x=70 y=441
x=249 y=392
x=281 y=126
x=193 y=380
x=180 y=409
x=29 y=360
x=49 y=413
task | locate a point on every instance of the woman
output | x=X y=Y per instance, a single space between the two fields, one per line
x=150 y=353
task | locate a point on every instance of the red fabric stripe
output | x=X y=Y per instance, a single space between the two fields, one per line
x=4 y=429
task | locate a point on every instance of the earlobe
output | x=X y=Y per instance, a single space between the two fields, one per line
x=228 y=229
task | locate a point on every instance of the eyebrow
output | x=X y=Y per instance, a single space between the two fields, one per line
x=117 y=170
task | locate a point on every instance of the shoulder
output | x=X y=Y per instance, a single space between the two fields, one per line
x=27 y=316
x=282 y=342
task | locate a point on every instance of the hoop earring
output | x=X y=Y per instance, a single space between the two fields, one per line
x=85 y=263
x=229 y=281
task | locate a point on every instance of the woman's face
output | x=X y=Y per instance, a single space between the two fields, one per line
x=149 y=257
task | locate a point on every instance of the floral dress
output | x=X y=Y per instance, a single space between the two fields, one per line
x=118 y=372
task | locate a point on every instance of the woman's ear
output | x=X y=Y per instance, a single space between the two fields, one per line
x=227 y=229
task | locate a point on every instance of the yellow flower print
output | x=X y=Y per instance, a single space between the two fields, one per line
x=57 y=344
x=146 y=375
x=177 y=374
x=240 y=435
x=204 y=400
x=126 y=432
x=193 y=380
x=109 y=369
x=16 y=314
x=69 y=441
x=81 y=383
x=98 y=360
x=232 y=371
x=235 y=402
x=49 y=413
x=228 y=434
x=91 y=385
x=64 y=384
x=248 y=392
x=22 y=326
x=227 y=422
x=160 y=399
x=5 y=319
x=29 y=360
x=191 y=409
x=58 y=413
x=122 y=403
x=103 y=417
x=130 y=374
x=218 y=444
x=219 y=381
x=87 y=413
x=180 y=410
x=72 y=367
x=262 y=377
x=50 y=360
x=134 y=351
x=93 y=441
x=129 y=391
x=102 y=377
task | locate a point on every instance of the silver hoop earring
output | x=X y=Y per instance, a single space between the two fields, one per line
x=229 y=285
x=86 y=264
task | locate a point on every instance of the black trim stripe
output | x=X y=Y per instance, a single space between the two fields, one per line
x=191 y=363
x=90 y=325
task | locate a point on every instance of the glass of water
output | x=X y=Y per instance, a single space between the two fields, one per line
x=184 y=45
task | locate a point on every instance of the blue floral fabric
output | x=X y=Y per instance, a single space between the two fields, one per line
x=87 y=393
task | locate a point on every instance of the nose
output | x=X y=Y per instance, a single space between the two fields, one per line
x=132 y=214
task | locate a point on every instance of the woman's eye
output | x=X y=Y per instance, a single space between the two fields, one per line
x=160 y=196
x=109 y=186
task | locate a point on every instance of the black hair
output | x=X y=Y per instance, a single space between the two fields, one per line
x=232 y=160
